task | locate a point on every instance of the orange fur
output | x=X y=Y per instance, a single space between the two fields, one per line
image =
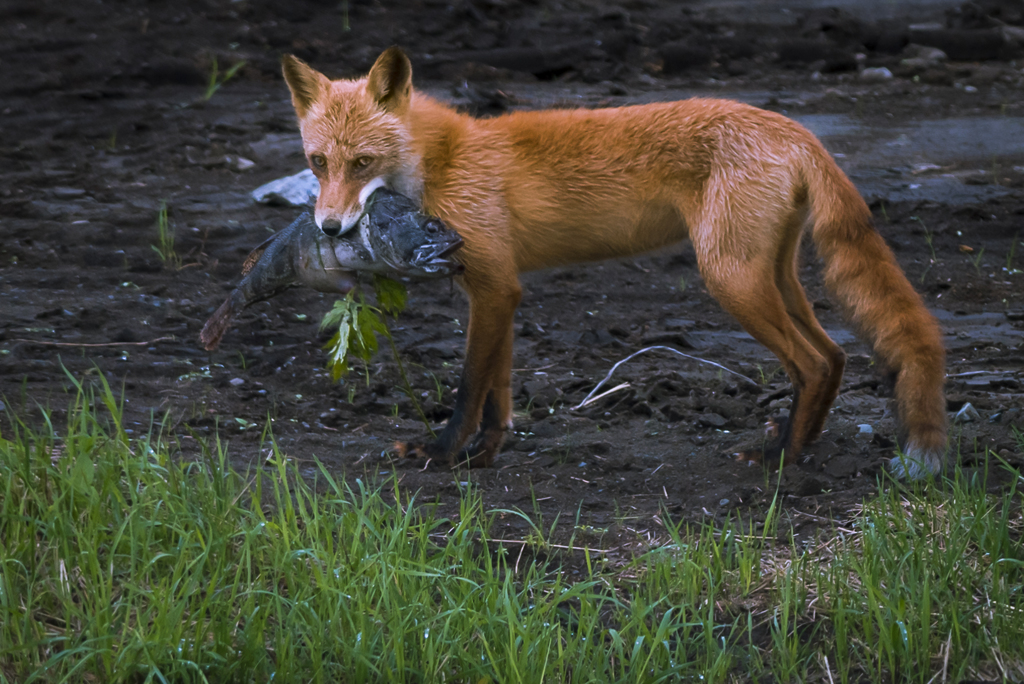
x=531 y=190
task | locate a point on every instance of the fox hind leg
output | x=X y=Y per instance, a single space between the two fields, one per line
x=759 y=288
x=802 y=315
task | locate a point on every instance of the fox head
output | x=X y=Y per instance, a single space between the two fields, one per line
x=355 y=135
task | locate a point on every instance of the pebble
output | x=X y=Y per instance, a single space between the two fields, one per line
x=296 y=191
x=67 y=192
x=922 y=57
x=875 y=74
x=865 y=429
x=967 y=414
x=712 y=420
x=236 y=382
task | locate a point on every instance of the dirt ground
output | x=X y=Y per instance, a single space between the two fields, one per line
x=103 y=120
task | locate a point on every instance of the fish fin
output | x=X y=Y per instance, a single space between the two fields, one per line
x=217 y=325
x=255 y=255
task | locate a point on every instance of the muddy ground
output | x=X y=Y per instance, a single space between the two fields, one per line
x=103 y=120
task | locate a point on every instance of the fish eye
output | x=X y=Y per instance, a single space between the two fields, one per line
x=319 y=161
x=362 y=162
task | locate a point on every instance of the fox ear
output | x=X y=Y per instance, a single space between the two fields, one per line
x=390 y=80
x=306 y=83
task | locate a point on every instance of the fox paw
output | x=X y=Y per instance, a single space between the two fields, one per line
x=916 y=463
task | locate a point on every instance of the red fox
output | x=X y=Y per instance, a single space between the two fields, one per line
x=531 y=190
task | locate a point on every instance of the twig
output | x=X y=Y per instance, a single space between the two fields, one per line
x=985 y=372
x=405 y=378
x=95 y=344
x=602 y=395
x=647 y=349
x=525 y=543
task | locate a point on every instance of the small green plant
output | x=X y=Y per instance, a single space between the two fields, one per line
x=1010 y=268
x=976 y=260
x=217 y=79
x=164 y=246
x=929 y=239
x=112 y=141
x=344 y=16
x=767 y=374
x=438 y=385
x=358 y=325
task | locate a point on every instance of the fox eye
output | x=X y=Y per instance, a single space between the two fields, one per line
x=361 y=162
x=318 y=161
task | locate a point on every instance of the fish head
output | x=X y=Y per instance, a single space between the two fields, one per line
x=411 y=243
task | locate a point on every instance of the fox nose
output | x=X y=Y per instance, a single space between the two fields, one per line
x=331 y=227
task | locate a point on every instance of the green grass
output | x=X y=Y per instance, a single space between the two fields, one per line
x=121 y=561
x=164 y=246
x=218 y=78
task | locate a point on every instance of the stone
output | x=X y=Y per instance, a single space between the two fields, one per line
x=712 y=420
x=875 y=75
x=299 y=190
x=967 y=414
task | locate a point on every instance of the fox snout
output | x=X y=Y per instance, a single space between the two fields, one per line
x=331 y=227
x=334 y=222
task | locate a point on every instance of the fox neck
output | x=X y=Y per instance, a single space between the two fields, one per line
x=436 y=130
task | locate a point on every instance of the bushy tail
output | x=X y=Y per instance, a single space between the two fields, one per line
x=861 y=271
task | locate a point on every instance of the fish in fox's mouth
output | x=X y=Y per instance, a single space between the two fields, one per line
x=393 y=238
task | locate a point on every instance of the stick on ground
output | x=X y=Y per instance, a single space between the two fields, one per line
x=647 y=349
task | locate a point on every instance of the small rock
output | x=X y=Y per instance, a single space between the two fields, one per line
x=712 y=420
x=299 y=190
x=967 y=414
x=236 y=382
x=678 y=339
x=530 y=329
x=67 y=192
x=922 y=56
x=241 y=163
x=875 y=75
x=723 y=502
x=865 y=429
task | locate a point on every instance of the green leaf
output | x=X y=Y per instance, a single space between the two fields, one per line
x=333 y=317
x=358 y=325
x=391 y=294
x=367 y=325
